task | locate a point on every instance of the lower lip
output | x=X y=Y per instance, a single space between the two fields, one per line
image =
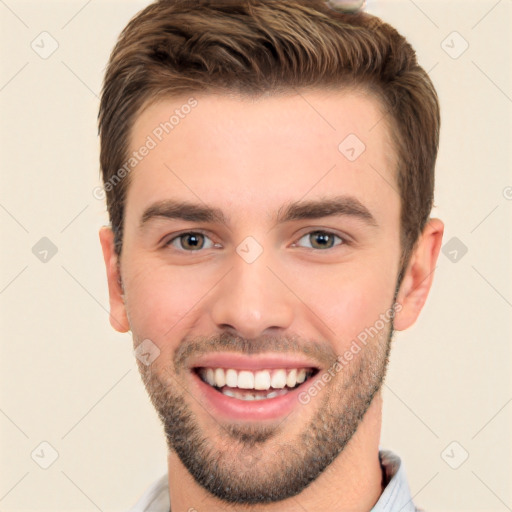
x=232 y=408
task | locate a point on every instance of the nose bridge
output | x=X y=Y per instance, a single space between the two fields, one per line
x=250 y=299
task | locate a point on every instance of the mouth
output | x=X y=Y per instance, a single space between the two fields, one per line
x=255 y=385
x=236 y=387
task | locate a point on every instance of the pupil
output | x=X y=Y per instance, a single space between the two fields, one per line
x=323 y=238
x=192 y=241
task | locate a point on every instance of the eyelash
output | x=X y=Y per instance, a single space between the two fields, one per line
x=344 y=241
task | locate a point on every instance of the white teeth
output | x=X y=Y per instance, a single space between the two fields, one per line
x=210 y=376
x=231 y=378
x=220 y=378
x=279 y=379
x=262 y=380
x=245 y=380
x=244 y=395
x=259 y=380
x=291 y=378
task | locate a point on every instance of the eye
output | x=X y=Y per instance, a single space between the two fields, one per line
x=322 y=239
x=190 y=241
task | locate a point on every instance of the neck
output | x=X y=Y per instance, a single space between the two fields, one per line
x=352 y=482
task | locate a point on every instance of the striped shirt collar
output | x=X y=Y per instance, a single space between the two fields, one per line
x=396 y=496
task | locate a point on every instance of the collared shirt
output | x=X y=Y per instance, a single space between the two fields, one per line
x=396 y=496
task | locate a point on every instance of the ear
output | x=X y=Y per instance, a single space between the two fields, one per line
x=118 y=316
x=419 y=275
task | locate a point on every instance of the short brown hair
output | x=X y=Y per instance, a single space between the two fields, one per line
x=177 y=47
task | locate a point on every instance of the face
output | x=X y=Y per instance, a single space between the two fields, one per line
x=259 y=267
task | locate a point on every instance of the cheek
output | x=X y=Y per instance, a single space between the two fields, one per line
x=159 y=299
x=350 y=302
x=364 y=313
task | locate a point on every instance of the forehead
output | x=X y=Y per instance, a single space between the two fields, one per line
x=262 y=151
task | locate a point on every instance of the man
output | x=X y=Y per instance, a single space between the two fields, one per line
x=269 y=170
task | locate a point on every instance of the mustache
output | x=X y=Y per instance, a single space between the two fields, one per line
x=321 y=353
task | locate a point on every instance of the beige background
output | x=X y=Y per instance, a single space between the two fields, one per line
x=69 y=380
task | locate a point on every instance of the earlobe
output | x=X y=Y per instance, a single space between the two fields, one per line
x=118 y=316
x=419 y=275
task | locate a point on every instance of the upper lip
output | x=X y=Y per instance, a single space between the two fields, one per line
x=256 y=362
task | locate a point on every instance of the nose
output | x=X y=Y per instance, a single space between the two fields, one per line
x=251 y=300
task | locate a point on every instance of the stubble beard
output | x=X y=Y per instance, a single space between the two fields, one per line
x=251 y=464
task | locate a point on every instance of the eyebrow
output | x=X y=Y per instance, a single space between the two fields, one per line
x=183 y=210
x=298 y=210
x=326 y=207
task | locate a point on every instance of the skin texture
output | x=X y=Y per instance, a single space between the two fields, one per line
x=250 y=158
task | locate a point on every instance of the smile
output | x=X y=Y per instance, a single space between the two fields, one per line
x=254 y=385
